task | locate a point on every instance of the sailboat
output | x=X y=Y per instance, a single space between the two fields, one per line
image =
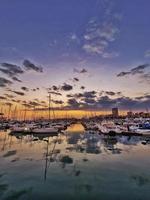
x=48 y=129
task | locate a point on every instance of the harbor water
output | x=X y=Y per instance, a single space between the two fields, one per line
x=74 y=165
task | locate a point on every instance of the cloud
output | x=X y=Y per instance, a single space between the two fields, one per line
x=94 y=48
x=66 y=87
x=16 y=79
x=89 y=94
x=55 y=93
x=2 y=98
x=4 y=82
x=74 y=38
x=100 y=33
x=25 y=88
x=57 y=101
x=30 y=66
x=121 y=74
x=76 y=79
x=18 y=92
x=110 y=93
x=88 y=101
x=16 y=100
x=122 y=102
x=11 y=71
x=137 y=70
x=9 y=95
x=86 y=94
x=76 y=95
x=145 y=78
x=80 y=71
x=81 y=100
x=55 y=88
x=72 y=103
x=147 y=53
x=82 y=87
x=8 y=104
x=144 y=97
x=110 y=55
x=32 y=104
x=35 y=89
x=106 y=100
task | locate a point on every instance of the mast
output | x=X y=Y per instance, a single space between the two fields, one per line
x=24 y=117
x=49 y=109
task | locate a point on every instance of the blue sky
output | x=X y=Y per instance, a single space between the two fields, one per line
x=105 y=37
x=42 y=29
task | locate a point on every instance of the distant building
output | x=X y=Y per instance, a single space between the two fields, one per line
x=130 y=114
x=115 y=112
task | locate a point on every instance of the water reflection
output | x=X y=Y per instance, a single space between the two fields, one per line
x=60 y=160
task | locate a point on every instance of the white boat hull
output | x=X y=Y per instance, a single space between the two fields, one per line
x=45 y=130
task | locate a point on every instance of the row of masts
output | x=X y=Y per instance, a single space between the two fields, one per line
x=23 y=113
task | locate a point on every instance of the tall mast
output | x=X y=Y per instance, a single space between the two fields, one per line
x=24 y=117
x=49 y=109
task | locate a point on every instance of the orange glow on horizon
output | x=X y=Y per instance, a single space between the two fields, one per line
x=54 y=114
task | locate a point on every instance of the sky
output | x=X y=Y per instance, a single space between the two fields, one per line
x=89 y=54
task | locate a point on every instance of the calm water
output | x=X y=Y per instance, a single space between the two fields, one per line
x=74 y=166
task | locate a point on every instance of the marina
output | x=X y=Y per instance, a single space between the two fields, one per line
x=74 y=100
x=73 y=164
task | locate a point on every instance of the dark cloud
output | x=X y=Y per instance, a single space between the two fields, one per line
x=106 y=103
x=110 y=93
x=80 y=71
x=72 y=103
x=69 y=95
x=2 y=98
x=30 y=66
x=16 y=100
x=16 y=79
x=88 y=100
x=25 y=88
x=18 y=92
x=81 y=100
x=11 y=69
x=87 y=94
x=90 y=94
x=58 y=101
x=4 y=82
x=55 y=93
x=55 y=88
x=144 y=97
x=76 y=95
x=76 y=79
x=8 y=104
x=43 y=102
x=82 y=87
x=121 y=74
x=66 y=87
x=35 y=89
x=33 y=104
x=137 y=70
x=9 y=95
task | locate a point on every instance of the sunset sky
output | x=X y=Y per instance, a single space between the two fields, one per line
x=89 y=54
